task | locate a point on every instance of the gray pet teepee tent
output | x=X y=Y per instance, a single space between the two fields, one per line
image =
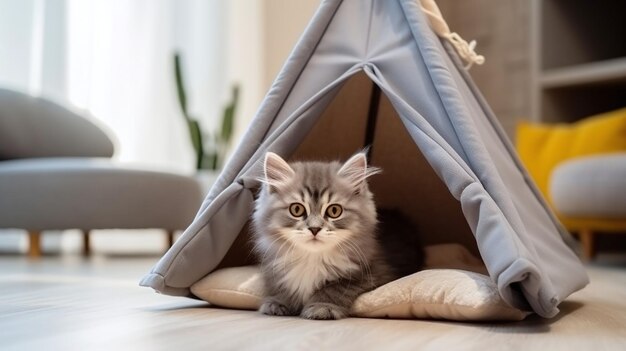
x=446 y=161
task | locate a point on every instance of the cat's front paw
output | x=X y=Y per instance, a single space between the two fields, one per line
x=274 y=308
x=323 y=311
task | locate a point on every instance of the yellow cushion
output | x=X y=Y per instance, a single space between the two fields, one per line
x=598 y=224
x=541 y=146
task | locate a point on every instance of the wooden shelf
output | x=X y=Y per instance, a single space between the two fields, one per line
x=578 y=65
x=605 y=71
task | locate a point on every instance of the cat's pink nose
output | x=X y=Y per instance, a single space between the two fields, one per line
x=314 y=230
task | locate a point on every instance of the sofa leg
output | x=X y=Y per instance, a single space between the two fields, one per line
x=586 y=239
x=86 y=243
x=170 y=238
x=34 y=244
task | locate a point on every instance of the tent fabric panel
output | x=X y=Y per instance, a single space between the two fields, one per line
x=200 y=248
x=543 y=235
x=501 y=248
x=207 y=248
x=394 y=52
x=472 y=91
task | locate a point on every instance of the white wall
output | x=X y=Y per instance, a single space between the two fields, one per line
x=261 y=36
x=245 y=47
x=285 y=20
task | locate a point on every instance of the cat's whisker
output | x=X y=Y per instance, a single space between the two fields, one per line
x=257 y=247
x=270 y=245
x=340 y=244
x=357 y=251
x=278 y=252
x=367 y=269
x=345 y=291
x=288 y=255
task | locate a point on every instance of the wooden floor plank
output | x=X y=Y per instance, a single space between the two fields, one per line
x=95 y=303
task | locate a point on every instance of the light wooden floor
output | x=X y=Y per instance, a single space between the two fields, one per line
x=70 y=303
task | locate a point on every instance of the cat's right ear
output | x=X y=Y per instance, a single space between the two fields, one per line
x=277 y=171
x=356 y=171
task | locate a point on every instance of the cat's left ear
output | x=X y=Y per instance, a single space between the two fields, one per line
x=356 y=171
x=277 y=171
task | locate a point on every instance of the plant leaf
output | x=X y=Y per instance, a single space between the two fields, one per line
x=228 y=119
x=196 y=141
x=211 y=161
x=180 y=85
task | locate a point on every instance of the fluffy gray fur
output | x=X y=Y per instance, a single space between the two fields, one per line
x=314 y=265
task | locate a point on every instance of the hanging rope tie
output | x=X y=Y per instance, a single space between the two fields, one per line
x=465 y=49
x=438 y=24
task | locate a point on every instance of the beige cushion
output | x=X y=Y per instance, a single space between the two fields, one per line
x=235 y=287
x=437 y=294
x=451 y=294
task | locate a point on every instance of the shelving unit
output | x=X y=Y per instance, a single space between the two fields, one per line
x=593 y=73
x=578 y=58
x=578 y=65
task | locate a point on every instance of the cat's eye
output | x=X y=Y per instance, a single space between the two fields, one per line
x=334 y=211
x=297 y=210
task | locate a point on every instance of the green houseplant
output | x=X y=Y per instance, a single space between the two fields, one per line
x=210 y=149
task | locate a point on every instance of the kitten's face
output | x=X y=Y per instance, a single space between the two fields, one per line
x=315 y=206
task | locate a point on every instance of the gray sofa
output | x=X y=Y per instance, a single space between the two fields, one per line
x=56 y=173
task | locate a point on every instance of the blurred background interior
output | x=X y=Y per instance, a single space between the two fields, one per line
x=169 y=86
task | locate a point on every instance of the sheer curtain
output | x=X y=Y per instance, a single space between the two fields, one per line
x=120 y=70
x=113 y=60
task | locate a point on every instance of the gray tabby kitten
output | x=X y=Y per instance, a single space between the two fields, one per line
x=315 y=228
